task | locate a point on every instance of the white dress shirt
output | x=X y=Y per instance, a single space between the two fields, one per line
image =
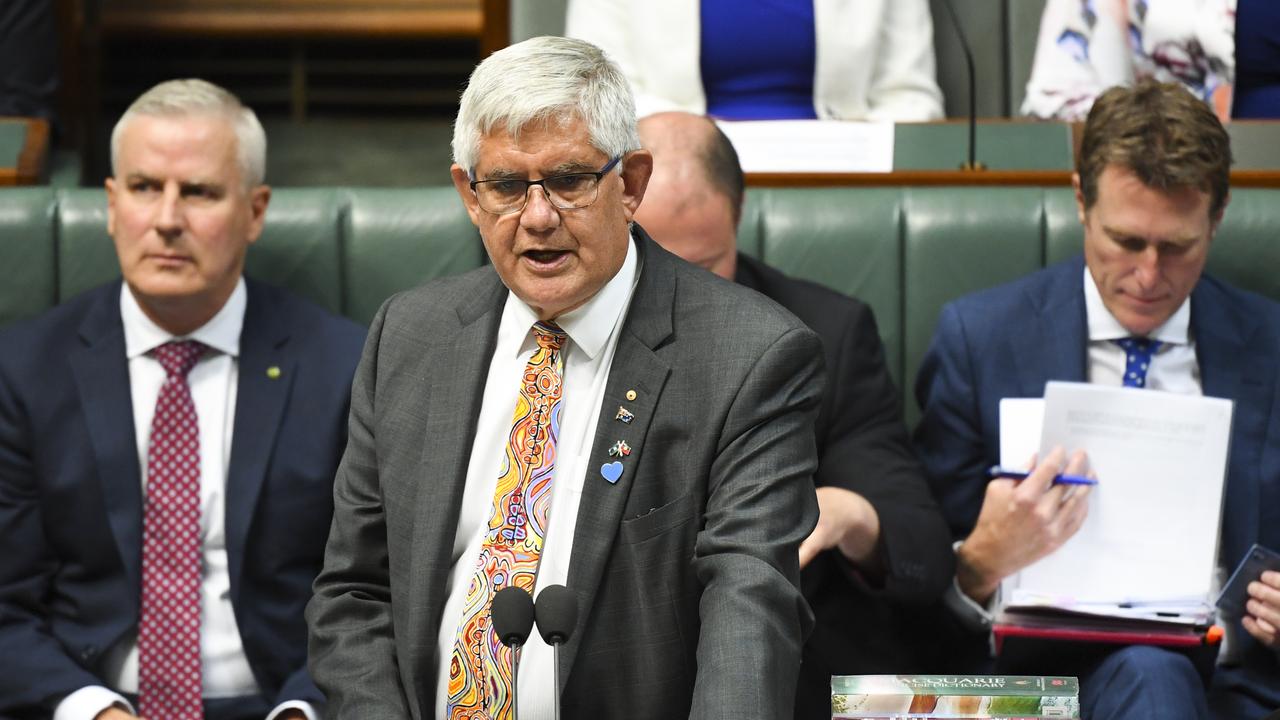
x=225 y=671
x=1173 y=365
x=1173 y=369
x=593 y=336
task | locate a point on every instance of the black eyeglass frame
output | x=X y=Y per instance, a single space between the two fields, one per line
x=599 y=175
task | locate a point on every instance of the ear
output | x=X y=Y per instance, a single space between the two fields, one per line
x=259 y=198
x=637 y=168
x=1075 y=185
x=112 y=189
x=462 y=183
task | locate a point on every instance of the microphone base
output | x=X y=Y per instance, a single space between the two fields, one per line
x=973 y=167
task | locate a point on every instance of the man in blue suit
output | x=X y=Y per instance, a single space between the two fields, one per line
x=167 y=448
x=1151 y=188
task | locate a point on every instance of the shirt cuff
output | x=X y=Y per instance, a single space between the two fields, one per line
x=87 y=702
x=305 y=707
x=972 y=615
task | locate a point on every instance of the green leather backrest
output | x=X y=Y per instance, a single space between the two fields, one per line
x=28 y=253
x=345 y=249
x=904 y=251
x=907 y=251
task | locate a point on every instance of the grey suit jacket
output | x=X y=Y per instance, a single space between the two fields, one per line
x=686 y=569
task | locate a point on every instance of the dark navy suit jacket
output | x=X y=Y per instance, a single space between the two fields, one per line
x=1010 y=340
x=71 y=495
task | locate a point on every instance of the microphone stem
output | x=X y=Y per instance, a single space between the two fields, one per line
x=555 y=693
x=515 y=681
x=973 y=98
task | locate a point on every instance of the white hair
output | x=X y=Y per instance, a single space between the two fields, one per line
x=192 y=96
x=546 y=79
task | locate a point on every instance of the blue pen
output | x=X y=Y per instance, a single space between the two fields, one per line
x=998 y=472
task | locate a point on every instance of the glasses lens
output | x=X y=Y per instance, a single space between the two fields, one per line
x=572 y=191
x=501 y=196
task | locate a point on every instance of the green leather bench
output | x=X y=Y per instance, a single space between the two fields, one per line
x=906 y=251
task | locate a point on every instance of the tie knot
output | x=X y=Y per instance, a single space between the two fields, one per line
x=179 y=356
x=1145 y=346
x=549 y=335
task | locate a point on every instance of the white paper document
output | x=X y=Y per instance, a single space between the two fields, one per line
x=1020 y=422
x=1148 y=547
x=811 y=145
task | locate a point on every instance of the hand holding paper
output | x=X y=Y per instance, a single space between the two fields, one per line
x=1263 y=608
x=1021 y=522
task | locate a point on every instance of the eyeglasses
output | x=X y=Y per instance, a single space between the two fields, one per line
x=566 y=192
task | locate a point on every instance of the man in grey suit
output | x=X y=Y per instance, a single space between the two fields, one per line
x=659 y=463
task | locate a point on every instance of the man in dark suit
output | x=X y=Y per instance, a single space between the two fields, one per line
x=1151 y=187
x=881 y=549
x=167 y=448
x=658 y=462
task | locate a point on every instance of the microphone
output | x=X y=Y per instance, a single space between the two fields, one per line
x=557 y=613
x=511 y=613
x=972 y=163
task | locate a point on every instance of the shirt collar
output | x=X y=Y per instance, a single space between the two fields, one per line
x=588 y=326
x=221 y=333
x=1104 y=326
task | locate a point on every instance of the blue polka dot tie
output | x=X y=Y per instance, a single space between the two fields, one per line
x=1137 y=359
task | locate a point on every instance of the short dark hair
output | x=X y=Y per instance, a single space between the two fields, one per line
x=1167 y=137
x=720 y=161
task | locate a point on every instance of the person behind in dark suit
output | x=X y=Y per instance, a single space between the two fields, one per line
x=1151 y=187
x=881 y=550
x=167 y=448
x=28 y=58
x=587 y=410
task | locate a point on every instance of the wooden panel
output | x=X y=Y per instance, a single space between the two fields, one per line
x=295 y=18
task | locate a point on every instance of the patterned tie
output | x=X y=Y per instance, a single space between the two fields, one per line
x=1137 y=359
x=480 y=686
x=169 y=626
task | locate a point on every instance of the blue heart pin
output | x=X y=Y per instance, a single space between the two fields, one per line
x=611 y=471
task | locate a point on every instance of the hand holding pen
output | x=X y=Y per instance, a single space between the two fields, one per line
x=1022 y=521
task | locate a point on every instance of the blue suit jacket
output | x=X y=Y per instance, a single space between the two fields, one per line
x=1010 y=340
x=71 y=496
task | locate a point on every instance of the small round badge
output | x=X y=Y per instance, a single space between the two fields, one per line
x=631 y=394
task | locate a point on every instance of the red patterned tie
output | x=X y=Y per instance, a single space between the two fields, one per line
x=169 y=627
x=480 y=681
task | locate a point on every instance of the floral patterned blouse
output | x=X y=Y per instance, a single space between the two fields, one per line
x=1087 y=46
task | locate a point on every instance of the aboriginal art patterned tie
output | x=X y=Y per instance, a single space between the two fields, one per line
x=169 y=623
x=480 y=682
x=1137 y=359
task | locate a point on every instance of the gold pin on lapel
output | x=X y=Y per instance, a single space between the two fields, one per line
x=273 y=372
x=631 y=394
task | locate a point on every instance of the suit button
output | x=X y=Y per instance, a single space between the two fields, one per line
x=88 y=652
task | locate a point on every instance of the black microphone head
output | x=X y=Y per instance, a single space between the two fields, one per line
x=557 y=613
x=512 y=615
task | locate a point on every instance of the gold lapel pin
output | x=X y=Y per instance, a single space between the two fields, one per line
x=631 y=394
x=273 y=372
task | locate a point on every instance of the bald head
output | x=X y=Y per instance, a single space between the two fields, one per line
x=694 y=198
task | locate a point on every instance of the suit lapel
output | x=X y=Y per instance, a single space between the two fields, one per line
x=101 y=373
x=267 y=367
x=458 y=373
x=1056 y=347
x=1229 y=369
x=636 y=367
